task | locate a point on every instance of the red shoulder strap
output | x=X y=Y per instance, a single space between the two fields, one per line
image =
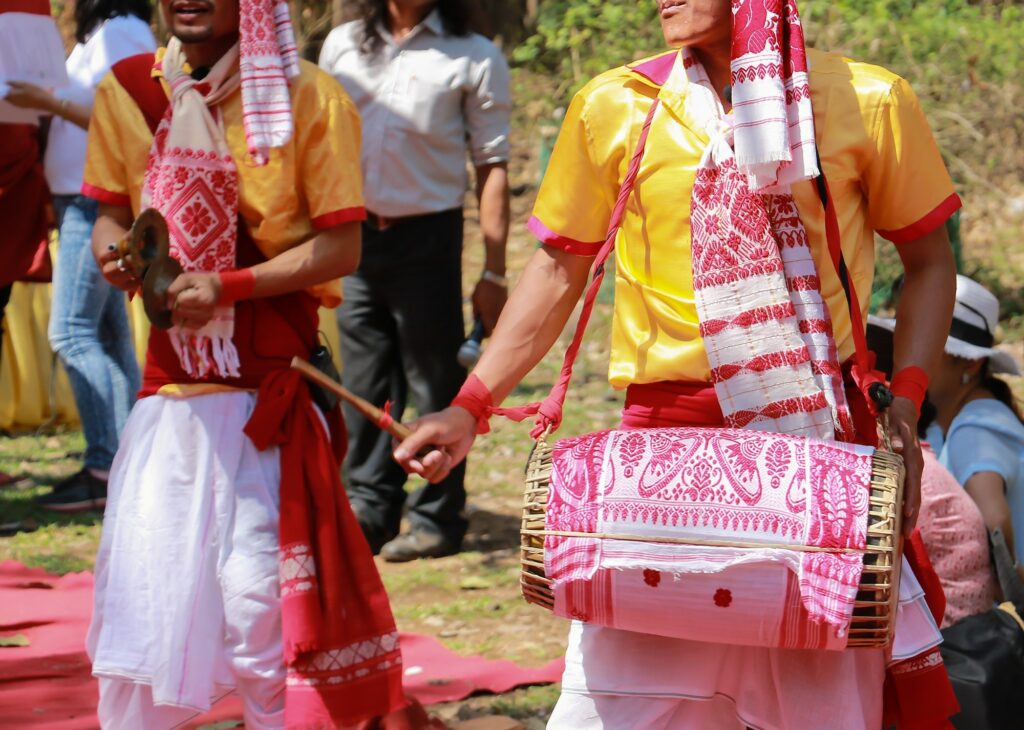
x=135 y=74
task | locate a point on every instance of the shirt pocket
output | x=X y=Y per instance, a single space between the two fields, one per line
x=432 y=104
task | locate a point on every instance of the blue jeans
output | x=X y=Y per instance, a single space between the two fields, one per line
x=89 y=332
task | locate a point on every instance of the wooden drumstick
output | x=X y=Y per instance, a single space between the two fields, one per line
x=375 y=414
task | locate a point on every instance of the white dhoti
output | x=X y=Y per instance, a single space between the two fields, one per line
x=187 y=601
x=623 y=680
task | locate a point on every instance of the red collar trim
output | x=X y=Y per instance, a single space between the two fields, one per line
x=657 y=69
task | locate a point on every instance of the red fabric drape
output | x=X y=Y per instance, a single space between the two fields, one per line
x=25 y=207
x=34 y=7
x=340 y=640
x=918 y=693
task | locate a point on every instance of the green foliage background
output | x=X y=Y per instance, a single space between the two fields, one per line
x=578 y=39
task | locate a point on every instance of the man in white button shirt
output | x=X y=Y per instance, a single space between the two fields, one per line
x=429 y=91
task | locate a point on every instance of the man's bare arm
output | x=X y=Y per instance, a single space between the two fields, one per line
x=492 y=191
x=922 y=325
x=331 y=254
x=538 y=309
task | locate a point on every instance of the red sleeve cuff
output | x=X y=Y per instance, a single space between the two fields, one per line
x=338 y=217
x=925 y=225
x=570 y=245
x=105 y=196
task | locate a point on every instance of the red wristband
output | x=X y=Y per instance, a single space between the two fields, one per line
x=911 y=383
x=236 y=285
x=476 y=398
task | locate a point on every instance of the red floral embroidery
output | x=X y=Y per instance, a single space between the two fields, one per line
x=723 y=597
x=652 y=577
x=196 y=219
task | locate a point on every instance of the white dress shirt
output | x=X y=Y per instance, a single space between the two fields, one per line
x=110 y=42
x=424 y=102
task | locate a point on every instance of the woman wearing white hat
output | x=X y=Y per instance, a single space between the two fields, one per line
x=978 y=431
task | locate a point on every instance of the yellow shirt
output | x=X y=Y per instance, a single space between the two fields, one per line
x=883 y=168
x=312 y=183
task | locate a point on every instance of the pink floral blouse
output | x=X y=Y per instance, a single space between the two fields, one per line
x=955 y=537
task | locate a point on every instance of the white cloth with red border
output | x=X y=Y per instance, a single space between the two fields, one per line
x=772 y=492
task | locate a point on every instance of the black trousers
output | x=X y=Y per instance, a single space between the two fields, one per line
x=401 y=327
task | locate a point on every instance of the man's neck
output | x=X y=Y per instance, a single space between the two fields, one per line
x=717 y=61
x=401 y=21
x=207 y=53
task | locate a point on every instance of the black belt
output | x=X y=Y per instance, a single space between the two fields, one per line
x=380 y=222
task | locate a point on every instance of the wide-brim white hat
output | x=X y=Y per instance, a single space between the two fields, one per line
x=972 y=331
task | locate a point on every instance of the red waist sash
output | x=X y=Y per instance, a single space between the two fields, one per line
x=672 y=403
x=268 y=334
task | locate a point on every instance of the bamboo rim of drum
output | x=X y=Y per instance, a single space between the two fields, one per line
x=874 y=614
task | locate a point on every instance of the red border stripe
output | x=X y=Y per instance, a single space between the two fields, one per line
x=105 y=196
x=339 y=217
x=570 y=245
x=927 y=224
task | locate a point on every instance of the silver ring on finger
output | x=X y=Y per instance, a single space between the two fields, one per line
x=121 y=267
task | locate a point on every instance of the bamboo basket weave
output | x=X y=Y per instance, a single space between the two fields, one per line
x=874 y=613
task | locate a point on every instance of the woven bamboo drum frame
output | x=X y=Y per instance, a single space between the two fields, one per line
x=874 y=613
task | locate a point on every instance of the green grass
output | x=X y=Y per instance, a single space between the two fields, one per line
x=58 y=543
x=527 y=703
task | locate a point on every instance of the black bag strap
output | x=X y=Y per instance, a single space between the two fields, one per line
x=1006 y=571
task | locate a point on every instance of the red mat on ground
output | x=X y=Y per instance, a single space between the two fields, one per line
x=47 y=684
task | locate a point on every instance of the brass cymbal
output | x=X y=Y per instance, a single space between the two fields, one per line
x=146 y=251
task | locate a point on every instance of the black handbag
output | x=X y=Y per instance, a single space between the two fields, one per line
x=984 y=655
x=322 y=360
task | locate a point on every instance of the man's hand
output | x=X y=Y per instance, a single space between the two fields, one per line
x=30 y=96
x=903 y=431
x=488 y=301
x=116 y=270
x=448 y=434
x=192 y=297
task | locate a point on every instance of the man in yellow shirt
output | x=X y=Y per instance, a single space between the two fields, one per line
x=705 y=199
x=229 y=556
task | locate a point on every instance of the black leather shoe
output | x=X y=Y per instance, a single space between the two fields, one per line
x=77 y=493
x=417 y=544
x=375 y=535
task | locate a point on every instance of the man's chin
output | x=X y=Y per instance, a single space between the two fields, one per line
x=190 y=34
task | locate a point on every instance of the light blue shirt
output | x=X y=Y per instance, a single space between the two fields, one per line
x=987 y=436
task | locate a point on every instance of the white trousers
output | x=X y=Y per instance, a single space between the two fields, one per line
x=617 y=712
x=187 y=602
x=128 y=706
